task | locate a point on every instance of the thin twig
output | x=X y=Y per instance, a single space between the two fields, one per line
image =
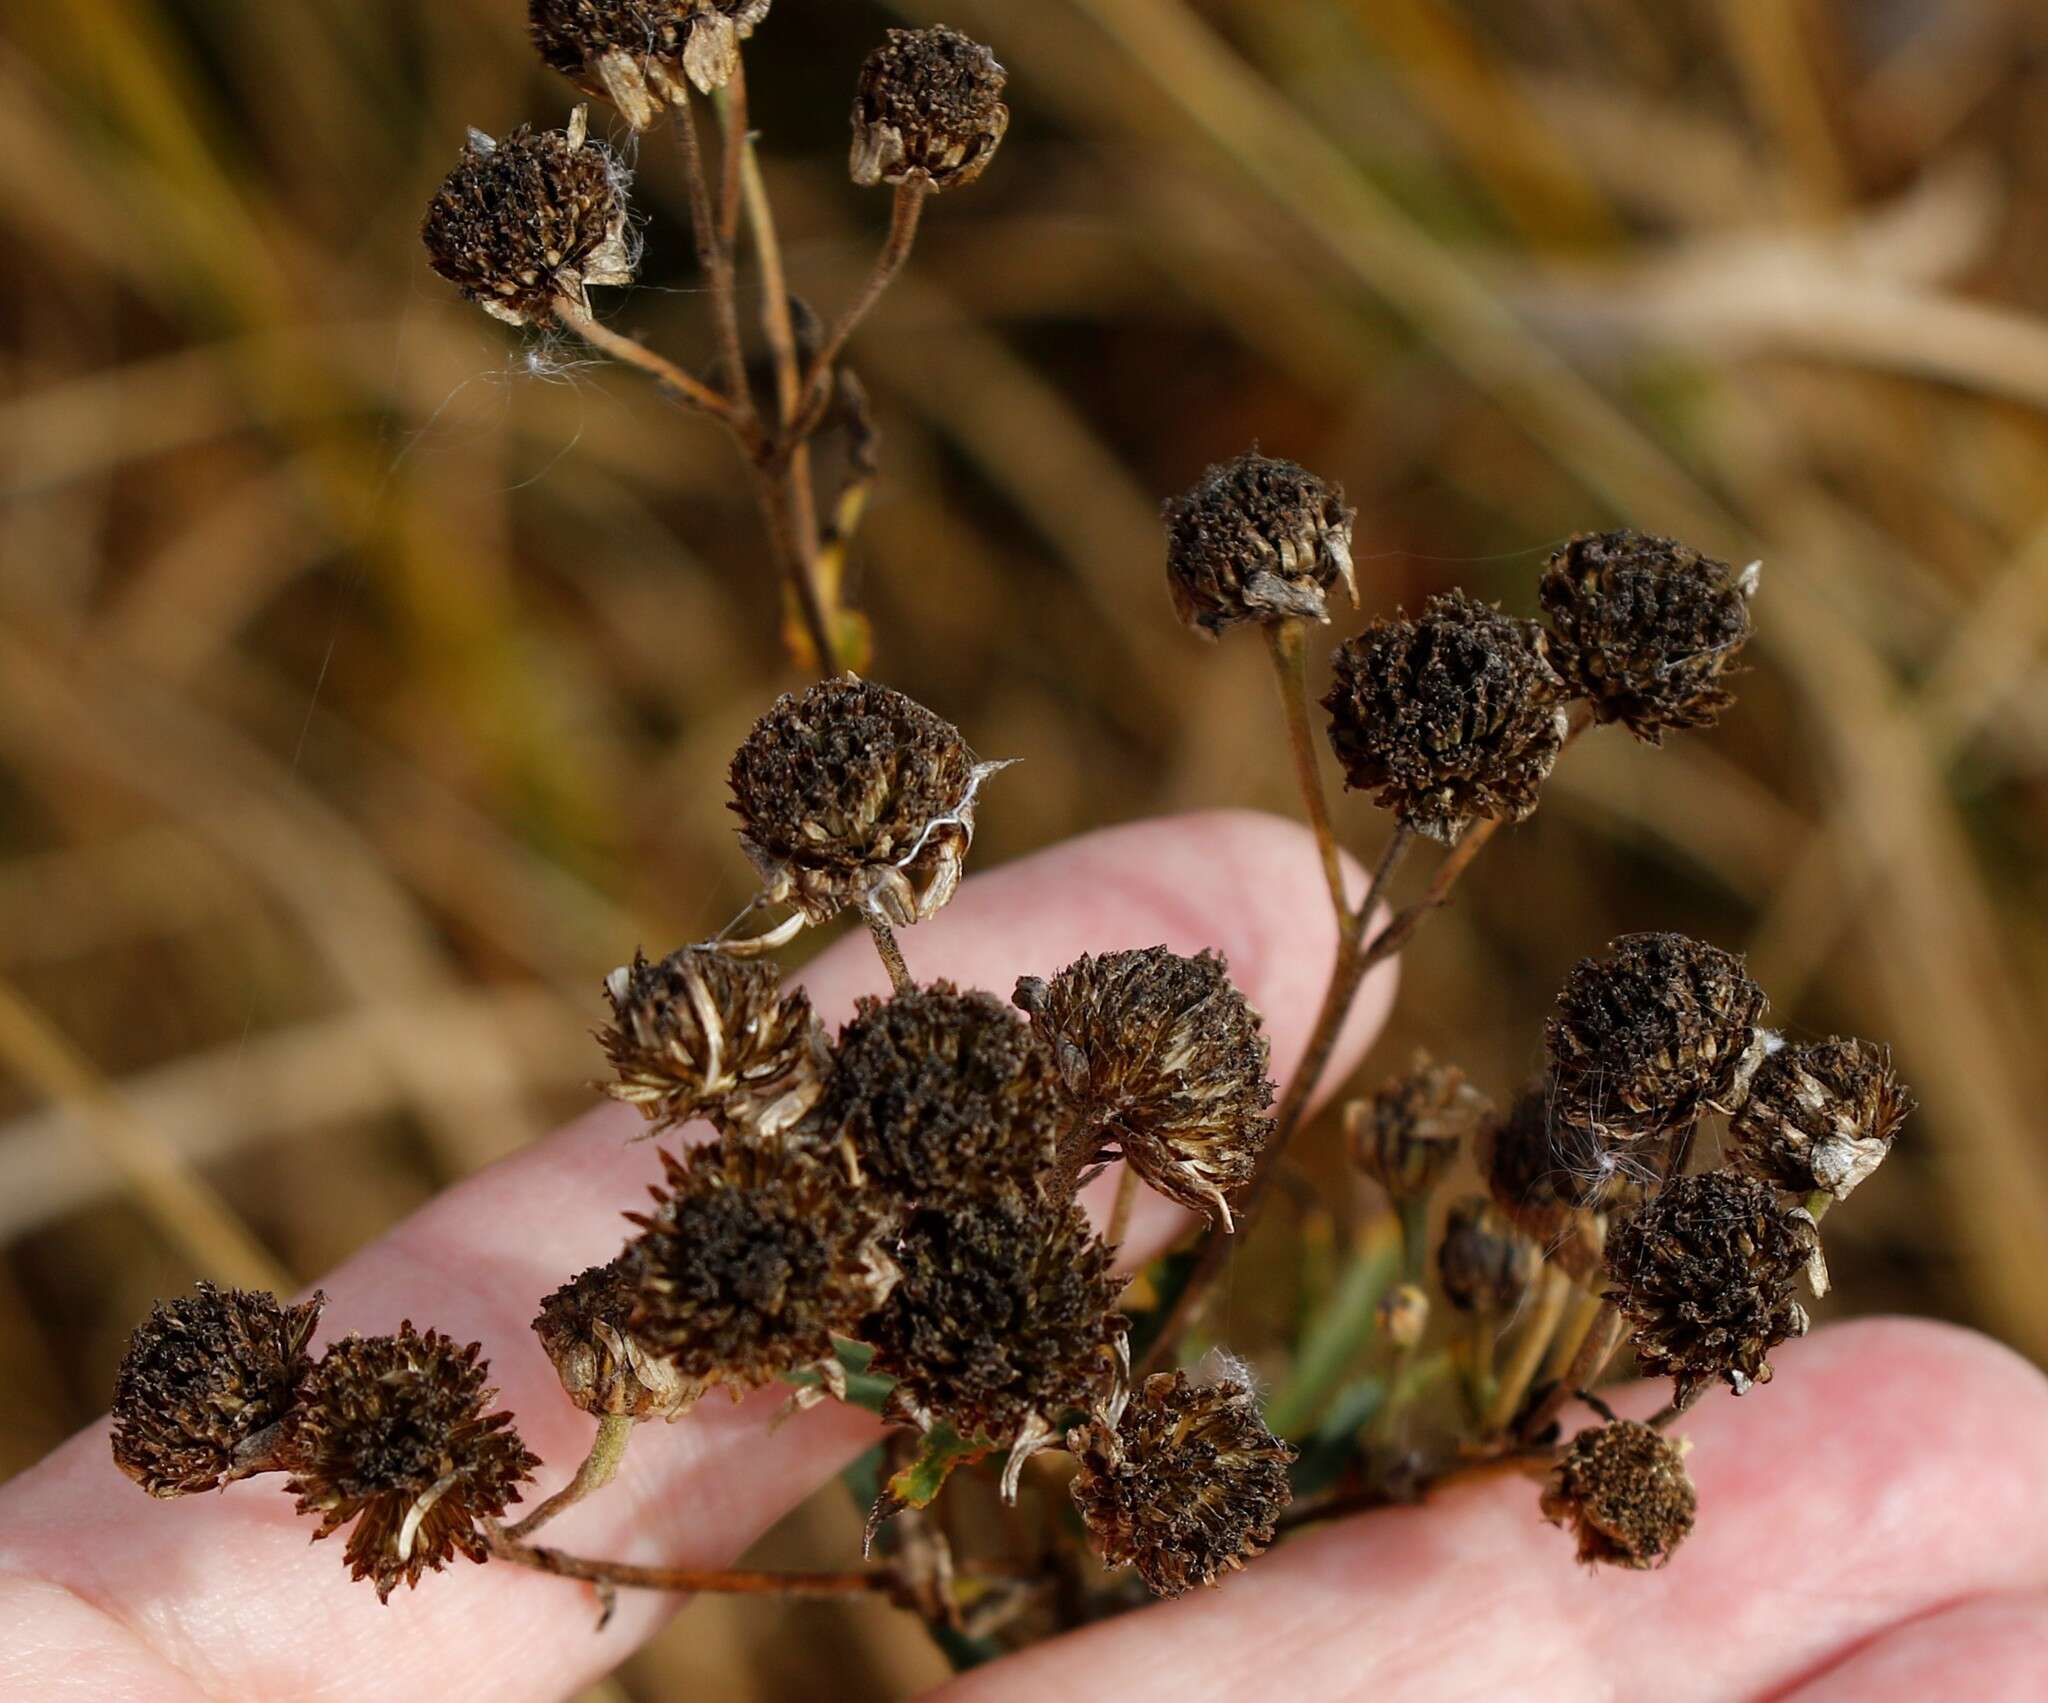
x=1601 y=1342
x=733 y=134
x=663 y=371
x=1284 y=644
x=599 y=1468
x=1552 y=1298
x=714 y=256
x=905 y=213
x=729 y=1580
x=891 y=954
x=1120 y=1213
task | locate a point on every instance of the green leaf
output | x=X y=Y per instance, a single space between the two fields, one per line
x=918 y=1484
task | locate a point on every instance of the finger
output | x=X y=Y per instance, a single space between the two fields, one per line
x=225 y=1587
x=1990 y=1649
x=1890 y=1468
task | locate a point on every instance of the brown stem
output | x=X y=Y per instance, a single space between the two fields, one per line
x=905 y=213
x=714 y=256
x=1373 y=1497
x=892 y=954
x=732 y=113
x=730 y=1580
x=599 y=1468
x=663 y=371
x=1120 y=1213
x=1551 y=1300
x=1284 y=644
x=1594 y=1353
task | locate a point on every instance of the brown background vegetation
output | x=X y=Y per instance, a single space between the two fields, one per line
x=366 y=673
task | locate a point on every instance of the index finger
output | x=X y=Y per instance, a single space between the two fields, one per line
x=224 y=1589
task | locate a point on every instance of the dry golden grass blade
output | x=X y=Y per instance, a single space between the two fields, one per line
x=185 y=1209
x=1772 y=44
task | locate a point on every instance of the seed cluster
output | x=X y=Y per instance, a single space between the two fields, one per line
x=1449 y=718
x=606 y=1367
x=1623 y=1490
x=1820 y=1118
x=1483 y=1262
x=928 y=110
x=1257 y=539
x=1408 y=1135
x=1186 y=1486
x=205 y=1387
x=638 y=54
x=395 y=1434
x=535 y=219
x=1163 y=1061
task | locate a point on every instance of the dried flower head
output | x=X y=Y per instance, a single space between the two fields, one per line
x=1820 y=1117
x=1645 y=628
x=1401 y=1315
x=1646 y=1038
x=538 y=218
x=937 y=1091
x=1484 y=1263
x=704 y=1034
x=205 y=1388
x=1447 y=718
x=637 y=53
x=396 y=1434
x=1623 y=1489
x=1256 y=539
x=1548 y=1177
x=1186 y=1487
x=928 y=109
x=1704 y=1271
x=606 y=1367
x=1163 y=1061
x=753 y=1260
x=1407 y=1136
x=1003 y=1322
x=851 y=794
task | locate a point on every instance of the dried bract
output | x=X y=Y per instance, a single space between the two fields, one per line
x=538 y=218
x=1257 y=539
x=1820 y=1117
x=928 y=109
x=638 y=53
x=606 y=1368
x=1449 y=718
x=1645 y=629
x=754 y=1259
x=396 y=1434
x=1004 y=1321
x=1484 y=1263
x=205 y=1388
x=1163 y=1061
x=1648 y=1037
x=1407 y=1136
x=1186 y=1487
x=704 y=1034
x=1704 y=1271
x=938 y=1092
x=851 y=794
x=1623 y=1489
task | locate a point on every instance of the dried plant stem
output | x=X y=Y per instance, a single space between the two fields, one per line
x=1473 y=1346
x=1584 y=1313
x=663 y=371
x=714 y=255
x=1284 y=644
x=1552 y=1297
x=892 y=954
x=905 y=213
x=1120 y=1213
x=1372 y=1497
x=1598 y=1348
x=728 y=1580
x=599 y=1468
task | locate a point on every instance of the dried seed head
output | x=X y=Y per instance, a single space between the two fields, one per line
x=1407 y=1136
x=1257 y=539
x=637 y=53
x=1644 y=629
x=1646 y=1038
x=852 y=794
x=929 y=109
x=1548 y=1178
x=1623 y=1489
x=1820 y=1117
x=1447 y=718
x=395 y=1433
x=1484 y=1263
x=1402 y=1315
x=704 y=1034
x=941 y=1092
x=1186 y=1487
x=521 y=224
x=754 y=1259
x=1704 y=1271
x=205 y=1388
x=1004 y=1320
x=586 y=1327
x=1163 y=1061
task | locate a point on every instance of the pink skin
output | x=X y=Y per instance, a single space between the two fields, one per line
x=1871 y=1522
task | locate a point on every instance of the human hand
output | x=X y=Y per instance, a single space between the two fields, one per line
x=1873 y=1518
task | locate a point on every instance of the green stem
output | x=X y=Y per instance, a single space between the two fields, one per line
x=599 y=1468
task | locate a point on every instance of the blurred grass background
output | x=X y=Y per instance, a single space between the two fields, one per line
x=367 y=675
